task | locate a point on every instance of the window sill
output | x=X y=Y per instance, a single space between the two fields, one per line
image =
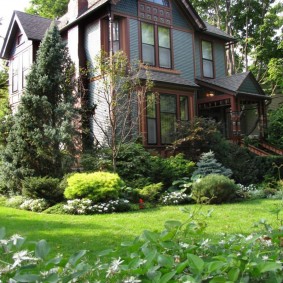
x=163 y=70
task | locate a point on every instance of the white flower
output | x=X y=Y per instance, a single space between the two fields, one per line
x=131 y=279
x=114 y=267
x=15 y=238
x=249 y=237
x=265 y=257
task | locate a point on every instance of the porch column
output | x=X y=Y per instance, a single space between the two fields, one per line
x=262 y=119
x=235 y=118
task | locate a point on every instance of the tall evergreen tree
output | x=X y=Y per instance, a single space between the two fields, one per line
x=41 y=141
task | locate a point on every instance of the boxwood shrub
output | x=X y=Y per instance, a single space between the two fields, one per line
x=97 y=186
x=215 y=189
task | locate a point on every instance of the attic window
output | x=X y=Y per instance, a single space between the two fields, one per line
x=20 y=39
x=160 y=2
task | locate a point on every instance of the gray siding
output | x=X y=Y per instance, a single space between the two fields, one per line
x=219 y=57
x=134 y=40
x=248 y=86
x=100 y=123
x=179 y=19
x=197 y=56
x=183 y=53
x=129 y=7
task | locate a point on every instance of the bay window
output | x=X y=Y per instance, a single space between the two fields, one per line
x=156 y=45
x=207 y=59
x=162 y=113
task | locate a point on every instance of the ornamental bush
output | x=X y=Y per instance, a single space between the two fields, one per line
x=97 y=186
x=151 y=192
x=43 y=187
x=214 y=189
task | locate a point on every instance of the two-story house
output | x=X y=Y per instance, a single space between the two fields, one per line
x=186 y=57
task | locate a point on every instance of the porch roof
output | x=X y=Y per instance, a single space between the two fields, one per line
x=167 y=78
x=243 y=84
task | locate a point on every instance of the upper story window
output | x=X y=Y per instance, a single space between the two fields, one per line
x=20 y=39
x=15 y=74
x=207 y=59
x=116 y=35
x=25 y=66
x=160 y=2
x=156 y=45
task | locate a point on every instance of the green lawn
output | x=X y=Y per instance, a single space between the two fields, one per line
x=67 y=234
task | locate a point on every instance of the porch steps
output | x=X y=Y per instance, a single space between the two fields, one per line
x=257 y=151
x=271 y=148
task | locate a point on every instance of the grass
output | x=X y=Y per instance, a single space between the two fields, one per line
x=68 y=233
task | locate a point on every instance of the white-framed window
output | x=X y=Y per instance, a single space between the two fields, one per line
x=207 y=59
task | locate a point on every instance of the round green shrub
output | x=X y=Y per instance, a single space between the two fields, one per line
x=43 y=187
x=97 y=186
x=151 y=192
x=214 y=188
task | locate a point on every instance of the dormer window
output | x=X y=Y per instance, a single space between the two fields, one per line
x=160 y=2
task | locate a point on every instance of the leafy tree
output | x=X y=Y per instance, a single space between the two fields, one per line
x=48 y=8
x=119 y=93
x=4 y=104
x=275 y=127
x=42 y=141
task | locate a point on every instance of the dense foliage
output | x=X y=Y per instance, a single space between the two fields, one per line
x=42 y=139
x=214 y=189
x=275 y=127
x=97 y=186
x=48 y=8
x=43 y=188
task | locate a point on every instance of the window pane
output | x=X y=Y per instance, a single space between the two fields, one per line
x=147 y=33
x=15 y=83
x=151 y=118
x=164 y=58
x=184 y=111
x=168 y=123
x=207 y=69
x=168 y=103
x=116 y=30
x=163 y=37
x=151 y=131
x=160 y=2
x=116 y=46
x=148 y=54
x=206 y=50
x=168 y=118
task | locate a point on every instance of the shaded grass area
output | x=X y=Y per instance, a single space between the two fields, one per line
x=69 y=233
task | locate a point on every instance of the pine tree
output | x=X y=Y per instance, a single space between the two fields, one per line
x=208 y=165
x=42 y=140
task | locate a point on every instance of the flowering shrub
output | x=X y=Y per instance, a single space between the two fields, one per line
x=174 y=198
x=36 y=205
x=250 y=192
x=15 y=201
x=86 y=206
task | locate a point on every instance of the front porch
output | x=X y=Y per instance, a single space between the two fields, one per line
x=237 y=103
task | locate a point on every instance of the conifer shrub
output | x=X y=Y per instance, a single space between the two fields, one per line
x=209 y=165
x=214 y=189
x=97 y=186
x=43 y=187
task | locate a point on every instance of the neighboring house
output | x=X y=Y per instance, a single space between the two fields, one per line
x=186 y=57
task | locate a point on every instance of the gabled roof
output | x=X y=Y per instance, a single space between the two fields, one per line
x=34 y=28
x=238 y=84
x=218 y=32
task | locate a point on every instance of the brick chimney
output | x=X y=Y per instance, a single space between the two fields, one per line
x=76 y=8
